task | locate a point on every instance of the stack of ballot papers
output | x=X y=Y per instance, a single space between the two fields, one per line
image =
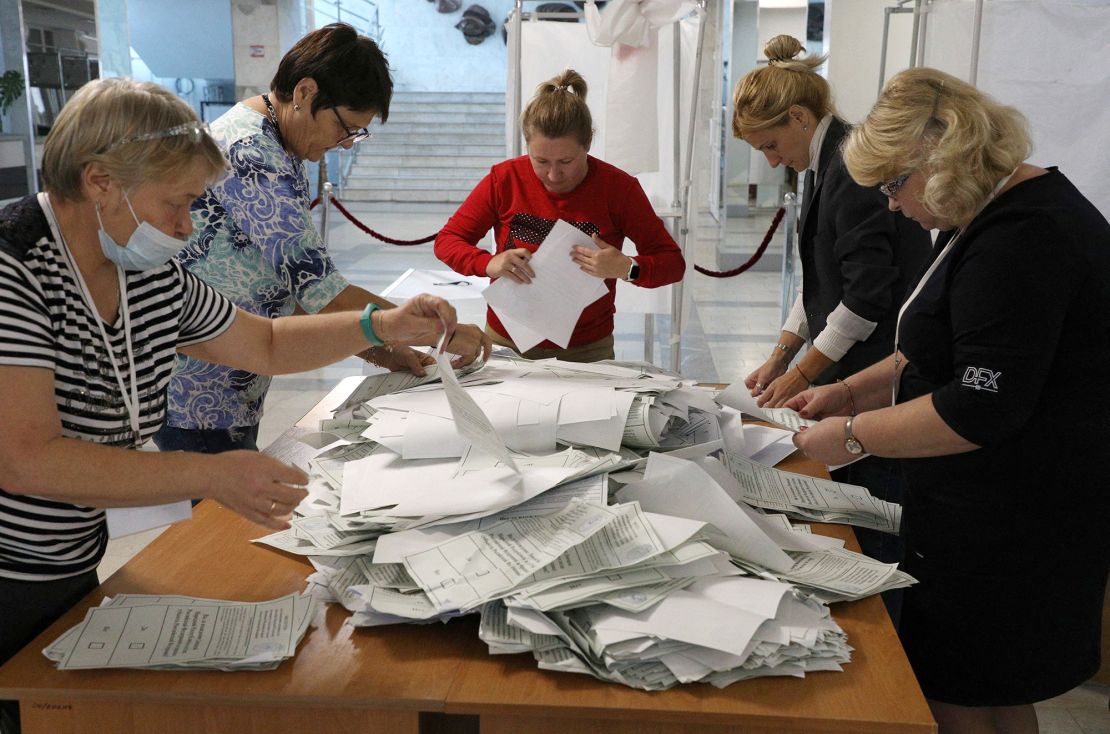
x=588 y=512
x=185 y=633
x=715 y=630
x=809 y=498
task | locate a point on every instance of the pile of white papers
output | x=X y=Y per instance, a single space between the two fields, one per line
x=181 y=632
x=715 y=630
x=498 y=493
x=810 y=498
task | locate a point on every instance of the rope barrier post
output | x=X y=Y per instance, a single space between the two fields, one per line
x=514 y=82
x=790 y=204
x=687 y=177
x=325 y=210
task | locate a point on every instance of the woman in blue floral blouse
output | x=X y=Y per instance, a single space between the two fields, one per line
x=254 y=239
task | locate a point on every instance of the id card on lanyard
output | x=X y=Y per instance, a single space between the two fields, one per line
x=121 y=520
x=130 y=396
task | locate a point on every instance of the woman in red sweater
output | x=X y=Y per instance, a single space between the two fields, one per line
x=522 y=198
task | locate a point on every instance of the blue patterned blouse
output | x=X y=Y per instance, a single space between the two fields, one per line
x=255 y=242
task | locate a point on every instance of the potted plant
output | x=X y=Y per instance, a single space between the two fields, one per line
x=11 y=89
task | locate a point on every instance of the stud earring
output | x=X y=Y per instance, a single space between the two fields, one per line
x=296 y=108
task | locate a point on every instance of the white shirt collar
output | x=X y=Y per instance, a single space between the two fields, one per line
x=816 y=141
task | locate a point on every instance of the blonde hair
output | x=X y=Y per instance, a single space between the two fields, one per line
x=961 y=139
x=105 y=111
x=763 y=98
x=559 y=110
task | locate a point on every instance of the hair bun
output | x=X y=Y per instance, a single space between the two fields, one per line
x=782 y=48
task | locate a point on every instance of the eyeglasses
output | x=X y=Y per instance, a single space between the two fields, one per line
x=890 y=188
x=354 y=134
x=195 y=131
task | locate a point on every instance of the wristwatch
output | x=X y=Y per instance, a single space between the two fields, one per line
x=633 y=271
x=851 y=443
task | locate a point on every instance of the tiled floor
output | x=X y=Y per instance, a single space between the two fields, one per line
x=730 y=327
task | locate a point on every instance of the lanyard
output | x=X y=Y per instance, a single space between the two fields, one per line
x=130 y=402
x=925 y=279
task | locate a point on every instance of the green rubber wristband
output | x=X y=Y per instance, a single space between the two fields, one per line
x=368 y=325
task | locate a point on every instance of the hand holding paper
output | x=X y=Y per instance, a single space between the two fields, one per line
x=418 y=321
x=471 y=422
x=602 y=261
x=551 y=304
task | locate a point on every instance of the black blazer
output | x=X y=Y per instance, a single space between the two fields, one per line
x=856 y=251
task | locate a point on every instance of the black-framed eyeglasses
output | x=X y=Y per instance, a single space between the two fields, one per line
x=194 y=130
x=354 y=134
x=890 y=188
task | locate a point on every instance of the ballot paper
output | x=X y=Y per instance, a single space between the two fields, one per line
x=130 y=520
x=838 y=574
x=470 y=421
x=175 y=632
x=738 y=396
x=682 y=488
x=767 y=445
x=811 y=498
x=393 y=547
x=466 y=571
x=549 y=306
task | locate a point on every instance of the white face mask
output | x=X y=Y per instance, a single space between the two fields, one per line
x=146 y=248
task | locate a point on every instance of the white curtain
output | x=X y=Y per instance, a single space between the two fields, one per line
x=1048 y=58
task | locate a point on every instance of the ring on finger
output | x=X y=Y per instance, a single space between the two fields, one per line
x=759 y=385
x=273 y=505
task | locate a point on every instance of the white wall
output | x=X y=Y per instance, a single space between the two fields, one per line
x=427 y=52
x=183 y=39
x=745 y=51
x=775 y=20
x=854 y=30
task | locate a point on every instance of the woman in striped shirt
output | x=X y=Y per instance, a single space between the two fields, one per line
x=92 y=313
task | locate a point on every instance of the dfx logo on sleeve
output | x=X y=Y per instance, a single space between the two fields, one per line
x=980 y=378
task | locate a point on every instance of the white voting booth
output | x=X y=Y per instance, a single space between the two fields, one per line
x=640 y=59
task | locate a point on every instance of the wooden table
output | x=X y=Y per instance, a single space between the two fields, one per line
x=423 y=678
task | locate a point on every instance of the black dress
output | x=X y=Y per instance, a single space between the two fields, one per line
x=1010 y=543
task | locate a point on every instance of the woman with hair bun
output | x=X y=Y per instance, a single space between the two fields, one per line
x=857 y=257
x=521 y=199
x=1006 y=513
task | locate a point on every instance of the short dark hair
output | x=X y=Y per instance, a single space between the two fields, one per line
x=350 y=70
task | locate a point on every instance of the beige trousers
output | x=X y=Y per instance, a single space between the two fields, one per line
x=592 y=352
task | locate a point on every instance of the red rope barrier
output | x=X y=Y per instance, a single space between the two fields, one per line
x=754 y=258
x=354 y=220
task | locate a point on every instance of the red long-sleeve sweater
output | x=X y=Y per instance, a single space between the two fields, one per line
x=608 y=202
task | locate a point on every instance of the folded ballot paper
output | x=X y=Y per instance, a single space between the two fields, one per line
x=550 y=305
x=184 y=633
x=497 y=493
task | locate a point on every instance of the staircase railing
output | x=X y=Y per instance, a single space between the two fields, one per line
x=362 y=14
